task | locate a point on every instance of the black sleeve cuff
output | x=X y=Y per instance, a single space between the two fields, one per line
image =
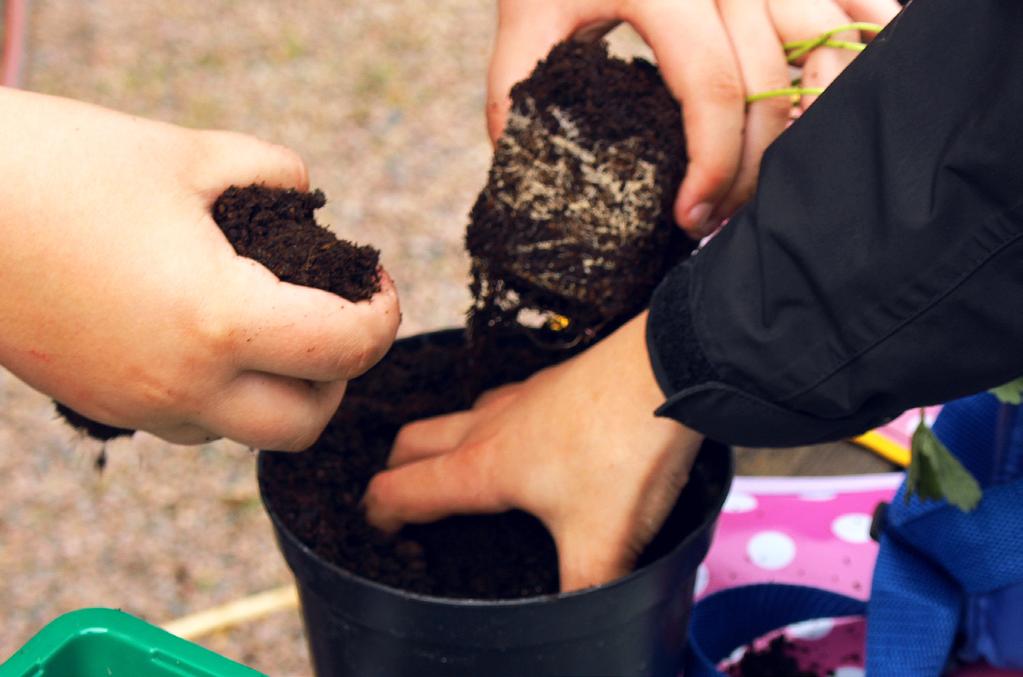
x=699 y=400
x=683 y=362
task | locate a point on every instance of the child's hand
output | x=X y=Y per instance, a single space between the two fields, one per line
x=577 y=445
x=712 y=53
x=121 y=298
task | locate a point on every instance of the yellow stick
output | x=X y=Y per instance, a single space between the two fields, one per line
x=233 y=613
x=884 y=447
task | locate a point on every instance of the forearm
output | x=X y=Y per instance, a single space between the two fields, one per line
x=62 y=161
x=878 y=267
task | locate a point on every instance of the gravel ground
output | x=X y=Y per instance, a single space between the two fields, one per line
x=384 y=99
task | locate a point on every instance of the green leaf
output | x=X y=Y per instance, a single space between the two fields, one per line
x=1011 y=392
x=934 y=473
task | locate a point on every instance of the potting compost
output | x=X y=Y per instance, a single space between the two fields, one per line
x=774 y=660
x=276 y=227
x=568 y=239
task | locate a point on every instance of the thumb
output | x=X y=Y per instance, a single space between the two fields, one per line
x=233 y=159
x=525 y=35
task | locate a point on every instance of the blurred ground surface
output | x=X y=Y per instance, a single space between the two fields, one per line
x=384 y=100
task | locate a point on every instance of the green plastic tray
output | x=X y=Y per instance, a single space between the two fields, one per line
x=109 y=643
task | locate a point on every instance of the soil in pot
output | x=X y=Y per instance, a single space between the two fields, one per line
x=316 y=494
x=277 y=228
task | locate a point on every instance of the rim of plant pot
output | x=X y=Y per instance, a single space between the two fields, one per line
x=712 y=512
x=350 y=598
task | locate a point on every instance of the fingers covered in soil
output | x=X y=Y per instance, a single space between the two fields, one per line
x=300 y=306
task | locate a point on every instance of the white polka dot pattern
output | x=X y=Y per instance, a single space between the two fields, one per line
x=702 y=580
x=812 y=629
x=852 y=527
x=771 y=550
x=738 y=502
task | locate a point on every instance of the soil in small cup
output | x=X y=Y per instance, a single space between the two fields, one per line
x=777 y=659
x=276 y=227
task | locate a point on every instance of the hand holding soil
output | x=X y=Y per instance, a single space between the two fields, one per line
x=124 y=300
x=712 y=53
x=577 y=445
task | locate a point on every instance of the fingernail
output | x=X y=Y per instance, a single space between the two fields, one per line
x=698 y=216
x=713 y=225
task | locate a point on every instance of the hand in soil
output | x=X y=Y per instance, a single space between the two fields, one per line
x=577 y=445
x=123 y=300
x=712 y=53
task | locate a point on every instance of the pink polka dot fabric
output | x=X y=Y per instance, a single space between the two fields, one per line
x=806 y=531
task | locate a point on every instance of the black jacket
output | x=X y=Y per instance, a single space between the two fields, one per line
x=880 y=264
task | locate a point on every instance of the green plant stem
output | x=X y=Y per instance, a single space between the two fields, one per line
x=785 y=91
x=799 y=48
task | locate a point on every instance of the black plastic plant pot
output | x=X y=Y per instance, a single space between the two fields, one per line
x=634 y=626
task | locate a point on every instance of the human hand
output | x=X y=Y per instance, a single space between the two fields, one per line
x=576 y=445
x=712 y=54
x=121 y=298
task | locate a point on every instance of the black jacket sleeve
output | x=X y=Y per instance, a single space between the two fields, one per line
x=880 y=264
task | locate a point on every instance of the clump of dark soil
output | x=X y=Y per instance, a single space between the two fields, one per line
x=94 y=429
x=316 y=494
x=575 y=226
x=276 y=227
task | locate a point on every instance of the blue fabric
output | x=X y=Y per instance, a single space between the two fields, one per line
x=982 y=549
x=941 y=570
x=992 y=625
x=913 y=614
x=979 y=554
x=940 y=573
x=993 y=628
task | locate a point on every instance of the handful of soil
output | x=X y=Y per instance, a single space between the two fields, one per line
x=276 y=227
x=575 y=226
